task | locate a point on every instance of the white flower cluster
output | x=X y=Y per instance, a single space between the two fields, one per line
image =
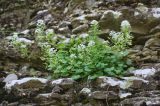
x=114 y=34
x=73 y=56
x=37 y=30
x=40 y=23
x=40 y=27
x=91 y=43
x=94 y=22
x=40 y=44
x=81 y=47
x=52 y=50
x=125 y=25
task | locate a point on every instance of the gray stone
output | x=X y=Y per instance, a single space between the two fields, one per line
x=85 y=91
x=144 y=73
x=80 y=29
x=65 y=83
x=64 y=30
x=141 y=101
x=10 y=78
x=24 y=81
x=93 y=16
x=104 y=95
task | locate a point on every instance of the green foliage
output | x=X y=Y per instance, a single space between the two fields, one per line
x=91 y=57
x=20 y=46
x=123 y=39
x=45 y=39
x=42 y=35
x=85 y=56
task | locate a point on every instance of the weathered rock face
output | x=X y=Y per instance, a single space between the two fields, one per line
x=69 y=17
x=132 y=91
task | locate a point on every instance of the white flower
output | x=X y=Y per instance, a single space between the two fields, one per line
x=91 y=43
x=40 y=23
x=52 y=50
x=37 y=31
x=49 y=31
x=94 y=22
x=40 y=44
x=125 y=25
x=73 y=56
x=84 y=35
x=136 y=13
x=81 y=47
x=114 y=34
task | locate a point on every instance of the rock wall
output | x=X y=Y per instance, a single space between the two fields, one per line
x=142 y=89
x=75 y=17
x=68 y=17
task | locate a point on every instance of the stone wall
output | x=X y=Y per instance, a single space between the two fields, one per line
x=75 y=17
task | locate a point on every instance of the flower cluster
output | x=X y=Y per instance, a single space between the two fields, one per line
x=81 y=47
x=123 y=38
x=72 y=56
x=91 y=43
x=125 y=26
x=20 y=44
x=115 y=35
x=40 y=23
x=81 y=57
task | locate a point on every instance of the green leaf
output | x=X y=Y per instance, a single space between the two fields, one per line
x=76 y=77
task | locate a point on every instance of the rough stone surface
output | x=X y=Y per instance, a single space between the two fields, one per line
x=67 y=17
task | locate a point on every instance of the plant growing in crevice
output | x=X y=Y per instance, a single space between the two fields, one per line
x=121 y=40
x=46 y=40
x=91 y=57
x=20 y=46
x=82 y=57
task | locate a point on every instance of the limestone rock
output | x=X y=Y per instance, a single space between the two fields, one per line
x=140 y=101
x=144 y=72
x=10 y=78
x=75 y=22
x=156 y=12
x=104 y=95
x=126 y=83
x=85 y=91
x=25 y=83
x=64 y=83
x=80 y=29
